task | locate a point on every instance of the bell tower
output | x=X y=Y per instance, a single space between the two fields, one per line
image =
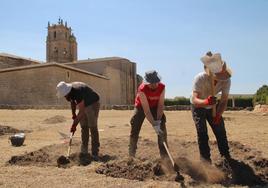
x=61 y=43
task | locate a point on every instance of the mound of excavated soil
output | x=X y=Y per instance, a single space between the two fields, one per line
x=55 y=119
x=9 y=130
x=132 y=169
x=250 y=170
x=161 y=170
x=49 y=156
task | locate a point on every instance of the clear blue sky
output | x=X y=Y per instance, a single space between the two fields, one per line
x=169 y=36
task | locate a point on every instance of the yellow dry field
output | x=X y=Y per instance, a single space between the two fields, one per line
x=247 y=131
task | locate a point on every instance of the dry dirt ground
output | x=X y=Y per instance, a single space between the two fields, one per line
x=35 y=163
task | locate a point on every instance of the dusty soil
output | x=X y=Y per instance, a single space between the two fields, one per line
x=4 y=130
x=55 y=119
x=47 y=140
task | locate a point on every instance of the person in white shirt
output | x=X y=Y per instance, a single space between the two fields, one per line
x=215 y=77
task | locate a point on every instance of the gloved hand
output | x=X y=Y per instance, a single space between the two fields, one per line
x=210 y=100
x=217 y=119
x=157 y=128
x=73 y=128
x=74 y=116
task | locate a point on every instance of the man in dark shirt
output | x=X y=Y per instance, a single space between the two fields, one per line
x=87 y=100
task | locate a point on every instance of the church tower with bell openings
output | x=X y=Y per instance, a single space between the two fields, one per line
x=61 y=43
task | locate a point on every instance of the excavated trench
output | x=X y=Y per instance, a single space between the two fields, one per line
x=251 y=169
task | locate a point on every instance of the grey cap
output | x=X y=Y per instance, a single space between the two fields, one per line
x=152 y=77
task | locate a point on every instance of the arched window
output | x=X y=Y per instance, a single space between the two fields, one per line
x=68 y=76
x=56 y=50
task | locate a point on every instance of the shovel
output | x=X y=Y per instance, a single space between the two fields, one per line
x=70 y=144
x=62 y=160
x=179 y=177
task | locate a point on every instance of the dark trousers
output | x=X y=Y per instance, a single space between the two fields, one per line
x=201 y=116
x=90 y=123
x=136 y=123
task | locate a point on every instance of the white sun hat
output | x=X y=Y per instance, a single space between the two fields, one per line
x=63 y=89
x=215 y=64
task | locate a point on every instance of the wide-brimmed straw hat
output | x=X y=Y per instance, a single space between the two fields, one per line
x=214 y=64
x=152 y=77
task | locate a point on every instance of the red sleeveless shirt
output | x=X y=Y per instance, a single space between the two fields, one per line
x=152 y=96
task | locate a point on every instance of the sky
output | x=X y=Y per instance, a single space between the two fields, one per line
x=167 y=36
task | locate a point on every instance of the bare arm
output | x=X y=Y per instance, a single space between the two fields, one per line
x=73 y=107
x=146 y=109
x=197 y=101
x=160 y=107
x=81 y=113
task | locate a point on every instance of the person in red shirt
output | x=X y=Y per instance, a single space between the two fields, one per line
x=149 y=104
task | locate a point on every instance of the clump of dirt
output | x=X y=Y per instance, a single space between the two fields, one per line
x=62 y=160
x=261 y=163
x=46 y=156
x=240 y=173
x=55 y=119
x=133 y=169
x=9 y=130
x=52 y=156
x=246 y=168
x=37 y=157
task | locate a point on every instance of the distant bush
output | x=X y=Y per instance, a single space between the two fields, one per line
x=239 y=102
x=261 y=96
x=244 y=102
x=177 y=101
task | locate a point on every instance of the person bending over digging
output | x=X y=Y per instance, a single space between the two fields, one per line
x=87 y=100
x=215 y=79
x=149 y=103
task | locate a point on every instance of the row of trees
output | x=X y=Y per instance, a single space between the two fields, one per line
x=260 y=97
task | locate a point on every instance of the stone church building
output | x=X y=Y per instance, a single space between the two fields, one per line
x=31 y=83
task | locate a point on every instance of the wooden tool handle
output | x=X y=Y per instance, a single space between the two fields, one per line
x=169 y=154
x=212 y=92
x=70 y=144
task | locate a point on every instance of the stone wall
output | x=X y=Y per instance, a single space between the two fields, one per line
x=10 y=62
x=121 y=72
x=261 y=108
x=36 y=86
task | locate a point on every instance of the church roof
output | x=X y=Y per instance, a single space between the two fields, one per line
x=51 y=64
x=19 y=57
x=99 y=59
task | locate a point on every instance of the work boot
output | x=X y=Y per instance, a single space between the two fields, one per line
x=224 y=163
x=84 y=159
x=95 y=157
x=132 y=150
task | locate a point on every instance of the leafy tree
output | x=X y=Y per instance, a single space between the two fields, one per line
x=261 y=95
x=139 y=80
